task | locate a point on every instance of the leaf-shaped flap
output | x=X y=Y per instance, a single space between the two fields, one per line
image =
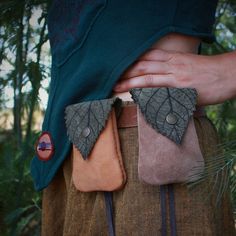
x=86 y=120
x=167 y=110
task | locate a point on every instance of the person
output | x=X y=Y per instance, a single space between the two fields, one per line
x=94 y=45
x=212 y=76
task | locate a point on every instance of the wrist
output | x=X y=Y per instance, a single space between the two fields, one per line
x=227 y=72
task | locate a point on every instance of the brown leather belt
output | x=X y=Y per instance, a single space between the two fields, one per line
x=128 y=116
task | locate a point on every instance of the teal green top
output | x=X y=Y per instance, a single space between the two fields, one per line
x=93 y=42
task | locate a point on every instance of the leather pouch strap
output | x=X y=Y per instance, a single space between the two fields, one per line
x=172 y=210
x=163 y=210
x=167 y=190
x=109 y=212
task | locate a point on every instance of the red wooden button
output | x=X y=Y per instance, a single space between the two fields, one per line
x=44 y=147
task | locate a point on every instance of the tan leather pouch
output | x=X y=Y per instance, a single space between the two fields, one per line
x=103 y=170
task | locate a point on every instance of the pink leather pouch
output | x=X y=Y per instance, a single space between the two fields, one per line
x=161 y=161
x=169 y=150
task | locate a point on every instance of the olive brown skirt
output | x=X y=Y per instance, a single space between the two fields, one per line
x=137 y=207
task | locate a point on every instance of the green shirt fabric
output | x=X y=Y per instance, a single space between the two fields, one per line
x=93 y=42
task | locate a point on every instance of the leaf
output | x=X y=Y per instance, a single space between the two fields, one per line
x=167 y=110
x=219 y=172
x=86 y=120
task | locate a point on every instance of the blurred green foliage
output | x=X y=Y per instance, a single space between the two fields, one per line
x=223 y=166
x=23 y=72
x=20 y=205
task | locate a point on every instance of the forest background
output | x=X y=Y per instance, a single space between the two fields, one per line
x=24 y=83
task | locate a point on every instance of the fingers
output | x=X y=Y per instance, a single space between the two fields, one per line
x=146 y=67
x=148 y=80
x=156 y=55
x=150 y=70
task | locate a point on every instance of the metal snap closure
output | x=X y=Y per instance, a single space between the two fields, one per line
x=86 y=131
x=171 y=119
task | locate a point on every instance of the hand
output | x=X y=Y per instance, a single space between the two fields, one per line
x=211 y=76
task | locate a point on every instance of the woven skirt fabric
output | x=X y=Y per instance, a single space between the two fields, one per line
x=137 y=210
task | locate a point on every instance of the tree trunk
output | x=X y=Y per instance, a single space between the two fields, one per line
x=19 y=72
